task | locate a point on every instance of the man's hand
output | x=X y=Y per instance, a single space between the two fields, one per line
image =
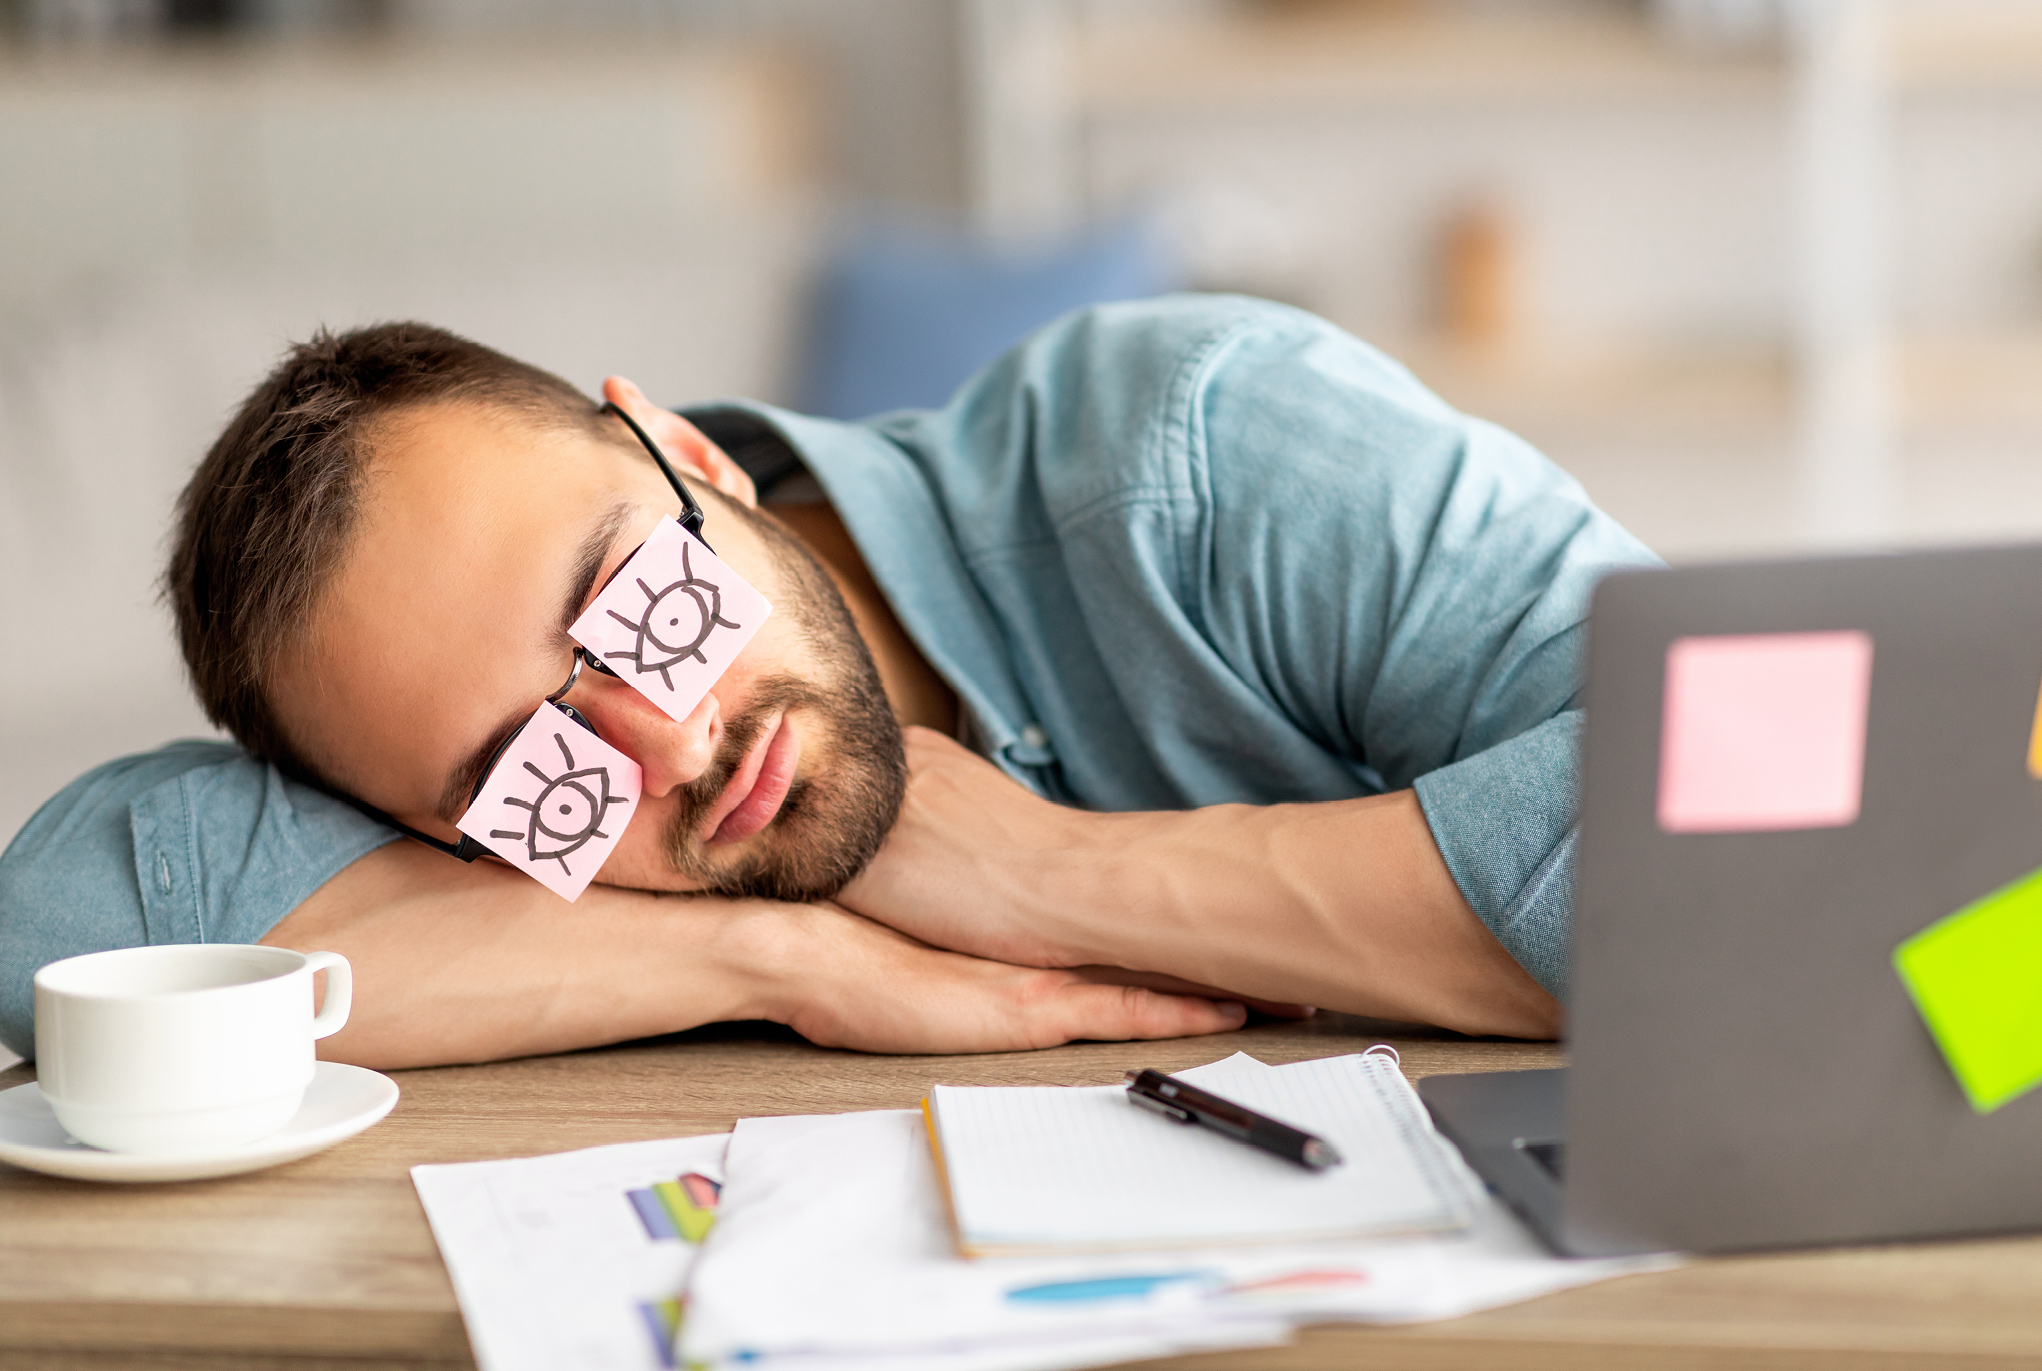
x=885 y=992
x=1345 y=904
x=458 y=963
x=971 y=857
x=969 y=850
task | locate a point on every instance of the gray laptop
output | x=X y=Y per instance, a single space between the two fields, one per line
x=1747 y=1068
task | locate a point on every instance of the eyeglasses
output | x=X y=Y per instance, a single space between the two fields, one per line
x=468 y=849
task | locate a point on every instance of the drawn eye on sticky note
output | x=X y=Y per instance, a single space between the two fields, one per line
x=1976 y=979
x=1763 y=732
x=556 y=803
x=672 y=620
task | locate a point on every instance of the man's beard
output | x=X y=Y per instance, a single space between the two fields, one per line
x=835 y=817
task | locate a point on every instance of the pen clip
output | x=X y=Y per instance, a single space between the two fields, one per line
x=1154 y=1105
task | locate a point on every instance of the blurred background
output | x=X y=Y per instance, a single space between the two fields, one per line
x=1764 y=274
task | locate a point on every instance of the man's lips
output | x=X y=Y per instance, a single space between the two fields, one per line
x=759 y=788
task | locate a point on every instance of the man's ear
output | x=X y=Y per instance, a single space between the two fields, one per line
x=686 y=446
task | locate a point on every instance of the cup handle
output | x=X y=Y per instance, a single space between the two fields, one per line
x=340 y=992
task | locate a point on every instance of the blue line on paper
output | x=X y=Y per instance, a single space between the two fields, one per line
x=1102 y=1287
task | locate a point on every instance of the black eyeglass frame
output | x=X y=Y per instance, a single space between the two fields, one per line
x=468 y=849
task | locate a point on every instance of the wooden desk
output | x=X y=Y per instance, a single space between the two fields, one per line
x=328 y=1263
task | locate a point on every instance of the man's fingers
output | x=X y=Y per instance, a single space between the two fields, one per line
x=1277 y=1009
x=1115 y=1013
x=1174 y=985
x=880 y=991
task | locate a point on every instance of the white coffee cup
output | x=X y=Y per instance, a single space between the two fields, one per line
x=182 y=1048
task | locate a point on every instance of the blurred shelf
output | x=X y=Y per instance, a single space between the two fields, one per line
x=1319 y=57
x=1332 y=57
x=1726 y=392
x=1966 y=380
x=1966 y=47
x=736 y=118
x=125 y=166
x=1950 y=384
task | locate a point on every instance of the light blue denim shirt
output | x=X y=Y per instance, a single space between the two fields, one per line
x=1169 y=553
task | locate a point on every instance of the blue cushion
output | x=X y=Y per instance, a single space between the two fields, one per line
x=906 y=313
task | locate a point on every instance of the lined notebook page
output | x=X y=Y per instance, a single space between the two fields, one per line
x=1043 y=1168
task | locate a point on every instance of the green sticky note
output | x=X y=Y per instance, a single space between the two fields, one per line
x=1976 y=977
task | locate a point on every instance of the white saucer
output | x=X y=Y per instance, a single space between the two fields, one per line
x=340 y=1102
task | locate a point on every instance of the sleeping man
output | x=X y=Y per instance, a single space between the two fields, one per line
x=1194 y=657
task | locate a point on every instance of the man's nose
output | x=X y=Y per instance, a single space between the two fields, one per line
x=671 y=754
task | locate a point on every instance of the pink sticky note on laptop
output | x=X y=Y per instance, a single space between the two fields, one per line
x=556 y=803
x=672 y=619
x=1764 y=731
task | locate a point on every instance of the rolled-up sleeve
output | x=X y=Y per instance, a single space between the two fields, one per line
x=193 y=842
x=1504 y=821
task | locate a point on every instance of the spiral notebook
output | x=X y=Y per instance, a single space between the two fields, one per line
x=1039 y=1170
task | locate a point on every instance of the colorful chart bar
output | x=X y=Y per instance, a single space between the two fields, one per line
x=663 y=1322
x=682 y=1209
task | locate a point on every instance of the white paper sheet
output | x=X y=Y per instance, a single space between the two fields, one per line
x=554 y=1268
x=1080 y=1168
x=833 y=1244
x=1058 y=1355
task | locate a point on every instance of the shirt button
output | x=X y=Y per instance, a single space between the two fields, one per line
x=1035 y=736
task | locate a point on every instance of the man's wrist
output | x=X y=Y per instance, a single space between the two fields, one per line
x=1137 y=881
x=1101 y=871
x=767 y=954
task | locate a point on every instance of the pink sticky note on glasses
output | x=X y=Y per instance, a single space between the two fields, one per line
x=672 y=620
x=556 y=803
x=1764 y=731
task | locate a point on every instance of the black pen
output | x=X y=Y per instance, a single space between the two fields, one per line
x=1186 y=1103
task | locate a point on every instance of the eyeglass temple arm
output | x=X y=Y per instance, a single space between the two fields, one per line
x=466 y=850
x=691 y=512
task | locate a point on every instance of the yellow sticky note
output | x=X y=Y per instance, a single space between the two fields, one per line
x=2035 y=741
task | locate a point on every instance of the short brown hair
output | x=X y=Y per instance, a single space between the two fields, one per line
x=263 y=523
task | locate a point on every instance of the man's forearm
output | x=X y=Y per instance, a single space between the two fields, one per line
x=1345 y=904
x=458 y=963
x=455 y=963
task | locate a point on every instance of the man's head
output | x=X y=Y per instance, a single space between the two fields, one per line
x=374 y=571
